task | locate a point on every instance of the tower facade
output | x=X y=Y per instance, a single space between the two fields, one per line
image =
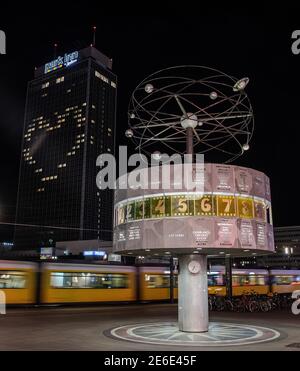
x=69 y=121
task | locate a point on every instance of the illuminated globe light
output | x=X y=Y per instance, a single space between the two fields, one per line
x=213 y=95
x=241 y=84
x=156 y=155
x=189 y=121
x=246 y=147
x=129 y=133
x=132 y=116
x=200 y=123
x=149 y=88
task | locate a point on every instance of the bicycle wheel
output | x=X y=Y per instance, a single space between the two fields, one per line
x=264 y=307
x=229 y=305
x=253 y=306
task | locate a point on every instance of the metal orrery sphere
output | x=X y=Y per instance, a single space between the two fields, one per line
x=212 y=103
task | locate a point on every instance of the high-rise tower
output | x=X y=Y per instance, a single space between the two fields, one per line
x=69 y=121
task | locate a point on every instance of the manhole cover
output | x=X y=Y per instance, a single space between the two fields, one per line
x=219 y=334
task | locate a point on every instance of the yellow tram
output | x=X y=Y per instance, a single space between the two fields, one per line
x=62 y=283
x=18 y=281
x=87 y=283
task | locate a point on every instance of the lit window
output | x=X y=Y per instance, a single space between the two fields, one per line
x=60 y=79
x=45 y=85
x=101 y=77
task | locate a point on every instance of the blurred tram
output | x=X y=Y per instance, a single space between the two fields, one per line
x=284 y=281
x=87 y=283
x=244 y=281
x=154 y=283
x=68 y=283
x=18 y=280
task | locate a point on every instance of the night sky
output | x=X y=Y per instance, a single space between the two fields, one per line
x=241 y=43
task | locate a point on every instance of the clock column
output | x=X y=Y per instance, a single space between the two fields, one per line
x=192 y=293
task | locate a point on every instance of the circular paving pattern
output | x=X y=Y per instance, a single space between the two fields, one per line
x=219 y=334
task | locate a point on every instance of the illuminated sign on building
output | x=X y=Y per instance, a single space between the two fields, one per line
x=94 y=253
x=47 y=253
x=59 y=62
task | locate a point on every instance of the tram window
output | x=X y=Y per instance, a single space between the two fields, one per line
x=157 y=281
x=83 y=280
x=286 y=280
x=249 y=280
x=12 y=280
x=215 y=280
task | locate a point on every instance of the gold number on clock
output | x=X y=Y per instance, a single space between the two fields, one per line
x=182 y=205
x=206 y=205
x=160 y=207
x=228 y=205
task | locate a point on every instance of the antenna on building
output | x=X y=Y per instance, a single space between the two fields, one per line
x=94 y=35
x=55 y=50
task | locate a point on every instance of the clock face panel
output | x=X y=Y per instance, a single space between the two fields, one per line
x=194 y=267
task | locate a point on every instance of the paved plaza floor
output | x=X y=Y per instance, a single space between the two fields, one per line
x=149 y=327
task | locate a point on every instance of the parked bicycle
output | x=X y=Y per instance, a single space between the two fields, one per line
x=250 y=302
